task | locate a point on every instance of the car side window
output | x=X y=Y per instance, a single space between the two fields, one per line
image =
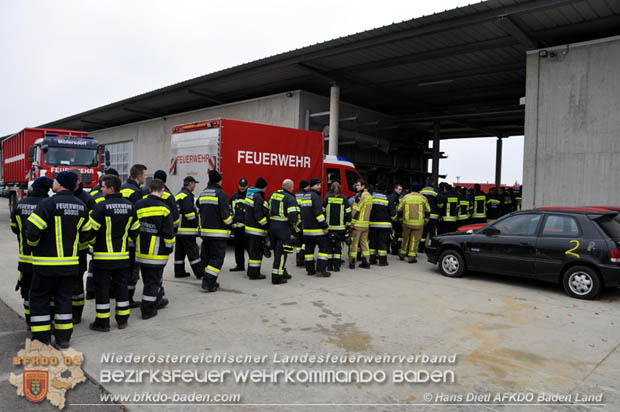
x=519 y=225
x=333 y=175
x=561 y=226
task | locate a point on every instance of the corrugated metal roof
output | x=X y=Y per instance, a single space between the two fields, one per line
x=454 y=66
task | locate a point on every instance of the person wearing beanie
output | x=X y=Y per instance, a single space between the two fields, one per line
x=300 y=248
x=20 y=213
x=414 y=210
x=315 y=231
x=256 y=225
x=215 y=223
x=161 y=175
x=168 y=199
x=381 y=216
x=55 y=226
x=237 y=206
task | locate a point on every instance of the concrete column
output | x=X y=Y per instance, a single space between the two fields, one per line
x=436 y=140
x=334 y=119
x=498 y=162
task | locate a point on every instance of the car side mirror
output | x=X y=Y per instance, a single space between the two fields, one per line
x=31 y=154
x=491 y=231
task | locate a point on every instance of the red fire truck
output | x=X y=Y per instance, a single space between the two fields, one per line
x=240 y=149
x=36 y=152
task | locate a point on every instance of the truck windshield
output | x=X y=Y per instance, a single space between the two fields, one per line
x=70 y=156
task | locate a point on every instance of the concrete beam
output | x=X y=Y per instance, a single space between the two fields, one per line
x=436 y=142
x=498 y=162
x=334 y=119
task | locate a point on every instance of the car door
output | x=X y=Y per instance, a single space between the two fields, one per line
x=512 y=251
x=560 y=240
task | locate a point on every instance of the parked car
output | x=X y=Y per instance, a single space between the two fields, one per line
x=577 y=247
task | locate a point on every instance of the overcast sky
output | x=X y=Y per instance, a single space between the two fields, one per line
x=60 y=58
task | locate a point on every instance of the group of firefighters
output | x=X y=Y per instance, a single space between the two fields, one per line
x=129 y=231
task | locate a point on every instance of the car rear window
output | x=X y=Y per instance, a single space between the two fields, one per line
x=610 y=225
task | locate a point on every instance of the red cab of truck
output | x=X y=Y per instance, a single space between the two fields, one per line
x=36 y=152
x=239 y=149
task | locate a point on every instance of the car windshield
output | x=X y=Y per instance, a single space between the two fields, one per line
x=70 y=156
x=611 y=226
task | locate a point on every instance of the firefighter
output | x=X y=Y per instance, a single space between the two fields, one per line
x=511 y=200
x=111 y=223
x=479 y=206
x=132 y=191
x=78 y=299
x=185 y=244
x=518 y=199
x=154 y=243
x=381 y=217
x=54 y=230
x=463 y=209
x=506 y=201
x=338 y=215
x=97 y=198
x=315 y=230
x=494 y=205
x=300 y=248
x=415 y=209
x=40 y=188
x=168 y=198
x=450 y=212
x=237 y=206
x=215 y=222
x=283 y=217
x=256 y=225
x=360 y=221
x=435 y=202
x=397 y=240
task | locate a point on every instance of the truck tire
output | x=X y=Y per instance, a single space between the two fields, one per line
x=582 y=282
x=451 y=264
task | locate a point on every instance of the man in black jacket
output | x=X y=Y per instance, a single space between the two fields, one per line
x=237 y=206
x=283 y=215
x=111 y=223
x=300 y=248
x=315 y=230
x=54 y=230
x=256 y=225
x=185 y=244
x=394 y=199
x=19 y=215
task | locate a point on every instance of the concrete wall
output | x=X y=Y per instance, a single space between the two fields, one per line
x=572 y=126
x=152 y=137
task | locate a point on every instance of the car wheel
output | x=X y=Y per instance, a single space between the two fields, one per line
x=581 y=282
x=451 y=264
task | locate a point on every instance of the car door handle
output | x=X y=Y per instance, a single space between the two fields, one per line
x=524 y=243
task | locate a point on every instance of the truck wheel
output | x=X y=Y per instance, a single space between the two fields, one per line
x=451 y=264
x=582 y=282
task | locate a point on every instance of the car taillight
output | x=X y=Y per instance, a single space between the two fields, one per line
x=614 y=255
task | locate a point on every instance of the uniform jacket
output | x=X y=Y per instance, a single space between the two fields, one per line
x=131 y=190
x=282 y=206
x=382 y=213
x=362 y=208
x=215 y=218
x=237 y=205
x=156 y=233
x=314 y=221
x=256 y=212
x=337 y=211
x=19 y=215
x=90 y=205
x=169 y=199
x=479 y=205
x=451 y=207
x=189 y=219
x=414 y=209
x=434 y=200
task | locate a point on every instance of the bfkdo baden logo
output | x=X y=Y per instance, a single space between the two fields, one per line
x=35 y=385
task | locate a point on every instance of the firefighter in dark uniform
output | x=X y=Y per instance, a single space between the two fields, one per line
x=394 y=198
x=256 y=225
x=338 y=215
x=299 y=249
x=479 y=206
x=464 y=208
x=98 y=197
x=435 y=202
x=19 y=215
x=510 y=201
x=451 y=210
x=78 y=299
x=215 y=222
x=283 y=216
x=381 y=216
x=154 y=243
x=188 y=230
x=111 y=223
x=315 y=230
x=131 y=190
x=168 y=198
x=54 y=230
x=494 y=205
x=518 y=199
x=237 y=206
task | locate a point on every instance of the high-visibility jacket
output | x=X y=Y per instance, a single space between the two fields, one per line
x=494 y=207
x=479 y=206
x=508 y=202
x=54 y=230
x=337 y=211
x=98 y=197
x=189 y=218
x=90 y=205
x=434 y=200
x=362 y=207
x=464 y=207
x=170 y=200
x=256 y=223
x=156 y=236
x=314 y=221
x=283 y=207
x=382 y=213
x=131 y=190
x=237 y=205
x=415 y=209
x=518 y=199
x=19 y=215
x=96 y=189
x=215 y=217
x=111 y=223
x=451 y=202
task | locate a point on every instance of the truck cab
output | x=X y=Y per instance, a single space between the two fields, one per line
x=336 y=168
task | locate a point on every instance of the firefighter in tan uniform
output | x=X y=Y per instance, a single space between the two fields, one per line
x=415 y=211
x=362 y=206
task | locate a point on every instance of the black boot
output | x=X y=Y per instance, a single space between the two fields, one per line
x=209 y=283
x=278 y=280
x=373 y=259
x=325 y=274
x=181 y=275
x=98 y=328
x=237 y=269
x=365 y=264
x=286 y=275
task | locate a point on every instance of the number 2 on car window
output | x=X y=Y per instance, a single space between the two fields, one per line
x=570 y=251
